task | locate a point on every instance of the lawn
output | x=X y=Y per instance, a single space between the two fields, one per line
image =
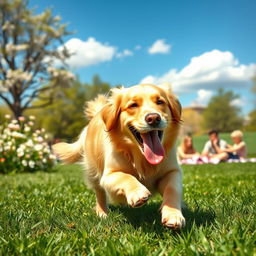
x=52 y=214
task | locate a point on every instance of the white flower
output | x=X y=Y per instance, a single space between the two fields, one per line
x=40 y=139
x=38 y=147
x=52 y=157
x=20 y=151
x=46 y=150
x=7 y=148
x=7 y=132
x=22 y=147
x=24 y=163
x=18 y=135
x=31 y=164
x=30 y=143
x=7 y=116
x=32 y=118
x=8 y=26
x=27 y=129
x=13 y=126
x=20 y=154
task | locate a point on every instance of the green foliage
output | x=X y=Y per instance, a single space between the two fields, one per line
x=4 y=110
x=23 y=149
x=52 y=214
x=65 y=117
x=251 y=125
x=254 y=87
x=221 y=114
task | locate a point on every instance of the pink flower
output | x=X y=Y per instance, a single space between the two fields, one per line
x=21 y=118
x=13 y=126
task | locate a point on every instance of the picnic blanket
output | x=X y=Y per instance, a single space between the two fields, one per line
x=206 y=160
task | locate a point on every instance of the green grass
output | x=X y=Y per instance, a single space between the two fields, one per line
x=249 y=138
x=52 y=214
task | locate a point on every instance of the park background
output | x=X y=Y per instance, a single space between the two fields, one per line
x=53 y=60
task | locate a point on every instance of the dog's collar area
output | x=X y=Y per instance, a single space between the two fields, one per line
x=138 y=137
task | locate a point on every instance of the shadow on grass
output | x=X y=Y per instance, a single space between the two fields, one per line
x=148 y=217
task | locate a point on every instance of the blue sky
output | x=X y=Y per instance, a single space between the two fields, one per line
x=198 y=45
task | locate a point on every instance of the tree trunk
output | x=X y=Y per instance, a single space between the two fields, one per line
x=17 y=110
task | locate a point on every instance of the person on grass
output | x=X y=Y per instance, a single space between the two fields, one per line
x=214 y=148
x=238 y=150
x=186 y=150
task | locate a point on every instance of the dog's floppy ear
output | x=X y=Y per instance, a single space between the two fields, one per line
x=175 y=108
x=111 y=111
x=173 y=102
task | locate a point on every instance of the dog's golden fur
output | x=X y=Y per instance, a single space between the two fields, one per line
x=122 y=167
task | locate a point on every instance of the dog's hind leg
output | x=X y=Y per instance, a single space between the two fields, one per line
x=101 y=203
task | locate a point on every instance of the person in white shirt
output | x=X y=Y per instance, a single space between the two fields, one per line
x=214 y=147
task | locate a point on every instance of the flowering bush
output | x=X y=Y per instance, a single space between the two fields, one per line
x=22 y=149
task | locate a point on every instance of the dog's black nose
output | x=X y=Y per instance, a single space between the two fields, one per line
x=153 y=119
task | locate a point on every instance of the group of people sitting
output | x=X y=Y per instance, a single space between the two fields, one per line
x=215 y=149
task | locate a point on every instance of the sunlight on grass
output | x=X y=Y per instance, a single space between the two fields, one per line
x=52 y=214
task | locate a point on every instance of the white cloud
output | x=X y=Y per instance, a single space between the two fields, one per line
x=210 y=70
x=238 y=102
x=124 y=53
x=87 y=53
x=159 y=46
x=203 y=97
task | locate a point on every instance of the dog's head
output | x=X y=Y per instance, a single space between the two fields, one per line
x=143 y=113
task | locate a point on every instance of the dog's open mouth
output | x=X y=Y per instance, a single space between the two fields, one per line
x=150 y=143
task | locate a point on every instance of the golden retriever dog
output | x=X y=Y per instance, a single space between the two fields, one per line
x=128 y=149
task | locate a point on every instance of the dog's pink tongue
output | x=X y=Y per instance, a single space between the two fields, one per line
x=153 y=149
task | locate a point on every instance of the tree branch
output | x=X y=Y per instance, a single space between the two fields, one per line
x=42 y=105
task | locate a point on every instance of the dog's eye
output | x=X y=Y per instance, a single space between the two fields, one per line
x=133 y=105
x=160 y=102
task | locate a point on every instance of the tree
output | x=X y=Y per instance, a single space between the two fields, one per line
x=192 y=122
x=65 y=117
x=251 y=124
x=221 y=113
x=254 y=88
x=29 y=53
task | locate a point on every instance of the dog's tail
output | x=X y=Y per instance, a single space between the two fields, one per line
x=92 y=107
x=71 y=153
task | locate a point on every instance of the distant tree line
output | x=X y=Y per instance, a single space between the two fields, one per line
x=221 y=113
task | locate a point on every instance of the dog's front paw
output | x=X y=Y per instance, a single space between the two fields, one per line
x=172 y=218
x=101 y=212
x=138 y=197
